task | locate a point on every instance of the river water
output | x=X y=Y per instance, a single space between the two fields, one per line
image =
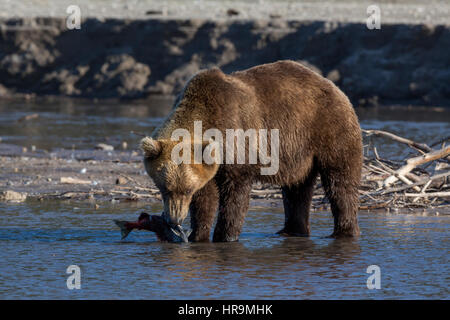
x=39 y=240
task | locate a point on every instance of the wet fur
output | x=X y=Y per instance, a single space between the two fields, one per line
x=319 y=135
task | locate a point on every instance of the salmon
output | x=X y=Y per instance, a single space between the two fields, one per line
x=156 y=224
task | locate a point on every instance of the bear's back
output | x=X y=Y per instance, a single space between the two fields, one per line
x=283 y=94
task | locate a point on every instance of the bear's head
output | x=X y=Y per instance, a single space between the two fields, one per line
x=177 y=182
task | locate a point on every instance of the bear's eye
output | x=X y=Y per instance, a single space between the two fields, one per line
x=189 y=191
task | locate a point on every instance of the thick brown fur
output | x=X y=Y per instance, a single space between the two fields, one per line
x=318 y=134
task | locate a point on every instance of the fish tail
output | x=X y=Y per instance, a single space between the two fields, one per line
x=124 y=229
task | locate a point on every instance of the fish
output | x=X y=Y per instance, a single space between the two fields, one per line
x=156 y=224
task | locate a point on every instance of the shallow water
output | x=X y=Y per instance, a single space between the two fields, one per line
x=82 y=124
x=38 y=241
x=78 y=124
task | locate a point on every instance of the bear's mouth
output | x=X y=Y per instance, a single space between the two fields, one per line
x=179 y=232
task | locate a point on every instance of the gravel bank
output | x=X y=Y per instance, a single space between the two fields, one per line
x=132 y=49
x=393 y=11
x=93 y=175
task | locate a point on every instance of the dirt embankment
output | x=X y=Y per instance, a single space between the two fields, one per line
x=124 y=57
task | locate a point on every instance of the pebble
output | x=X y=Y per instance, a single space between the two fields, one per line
x=121 y=180
x=104 y=146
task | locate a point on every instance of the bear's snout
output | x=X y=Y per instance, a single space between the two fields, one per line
x=175 y=210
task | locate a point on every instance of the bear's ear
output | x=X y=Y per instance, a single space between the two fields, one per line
x=152 y=148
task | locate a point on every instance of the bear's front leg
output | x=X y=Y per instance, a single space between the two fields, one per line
x=234 y=197
x=203 y=208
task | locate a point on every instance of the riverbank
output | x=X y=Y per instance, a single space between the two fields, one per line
x=94 y=175
x=133 y=51
x=119 y=176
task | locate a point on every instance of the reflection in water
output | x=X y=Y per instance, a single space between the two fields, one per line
x=80 y=125
x=39 y=240
x=200 y=259
x=83 y=124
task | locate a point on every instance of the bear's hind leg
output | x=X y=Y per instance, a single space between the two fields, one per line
x=203 y=209
x=341 y=189
x=233 y=206
x=297 y=203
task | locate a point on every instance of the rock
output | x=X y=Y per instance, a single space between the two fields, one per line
x=10 y=195
x=121 y=75
x=121 y=180
x=232 y=12
x=104 y=147
x=153 y=12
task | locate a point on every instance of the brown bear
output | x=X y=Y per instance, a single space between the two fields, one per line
x=318 y=131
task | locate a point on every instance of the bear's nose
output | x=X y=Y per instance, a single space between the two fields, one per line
x=172 y=221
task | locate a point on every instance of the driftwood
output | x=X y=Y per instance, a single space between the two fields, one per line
x=393 y=182
x=418 y=183
x=420 y=146
x=415 y=162
x=430 y=194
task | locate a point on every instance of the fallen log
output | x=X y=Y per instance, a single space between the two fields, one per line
x=418 y=183
x=429 y=194
x=420 y=146
x=417 y=161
